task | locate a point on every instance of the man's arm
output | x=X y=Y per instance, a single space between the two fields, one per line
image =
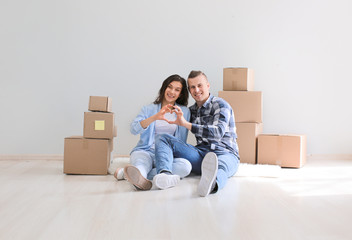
x=216 y=129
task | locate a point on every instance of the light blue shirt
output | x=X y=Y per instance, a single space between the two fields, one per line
x=147 y=135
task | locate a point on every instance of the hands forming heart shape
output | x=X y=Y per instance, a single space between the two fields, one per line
x=171 y=109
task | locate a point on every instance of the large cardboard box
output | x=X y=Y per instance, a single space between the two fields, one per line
x=238 y=79
x=247 y=134
x=86 y=156
x=247 y=105
x=99 y=125
x=282 y=150
x=100 y=104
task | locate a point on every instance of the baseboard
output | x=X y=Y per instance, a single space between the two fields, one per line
x=55 y=157
x=329 y=157
x=32 y=157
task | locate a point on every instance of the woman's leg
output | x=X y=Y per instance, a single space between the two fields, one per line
x=180 y=166
x=142 y=160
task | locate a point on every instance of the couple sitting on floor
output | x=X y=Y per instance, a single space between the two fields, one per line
x=162 y=157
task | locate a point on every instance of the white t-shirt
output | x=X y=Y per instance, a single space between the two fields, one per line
x=162 y=126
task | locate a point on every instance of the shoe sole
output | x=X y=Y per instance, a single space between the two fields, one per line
x=163 y=184
x=133 y=175
x=209 y=171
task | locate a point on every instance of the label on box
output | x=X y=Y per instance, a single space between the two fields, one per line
x=99 y=125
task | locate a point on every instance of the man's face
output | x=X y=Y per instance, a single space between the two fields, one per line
x=199 y=89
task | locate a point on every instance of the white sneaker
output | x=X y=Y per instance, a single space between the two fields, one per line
x=164 y=181
x=209 y=171
x=119 y=174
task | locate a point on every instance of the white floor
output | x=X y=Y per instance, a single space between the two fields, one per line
x=38 y=201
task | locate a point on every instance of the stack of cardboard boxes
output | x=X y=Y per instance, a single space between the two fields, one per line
x=91 y=153
x=238 y=86
x=255 y=147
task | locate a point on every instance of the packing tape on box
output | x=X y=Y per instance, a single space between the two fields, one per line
x=234 y=85
x=99 y=125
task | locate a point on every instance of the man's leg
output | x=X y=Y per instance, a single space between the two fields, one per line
x=167 y=147
x=216 y=169
x=227 y=166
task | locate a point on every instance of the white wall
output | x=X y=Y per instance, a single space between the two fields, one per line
x=55 y=54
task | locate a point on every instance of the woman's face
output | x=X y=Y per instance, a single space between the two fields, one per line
x=172 y=92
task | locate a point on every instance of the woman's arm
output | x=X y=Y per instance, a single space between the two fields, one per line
x=143 y=120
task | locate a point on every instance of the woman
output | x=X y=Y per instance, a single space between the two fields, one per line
x=150 y=122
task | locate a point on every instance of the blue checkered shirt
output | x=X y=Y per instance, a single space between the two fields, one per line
x=214 y=125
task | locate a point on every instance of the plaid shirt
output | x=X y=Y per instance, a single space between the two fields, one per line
x=214 y=125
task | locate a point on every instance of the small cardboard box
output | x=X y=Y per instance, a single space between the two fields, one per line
x=86 y=156
x=283 y=150
x=98 y=125
x=238 y=79
x=247 y=134
x=100 y=104
x=247 y=105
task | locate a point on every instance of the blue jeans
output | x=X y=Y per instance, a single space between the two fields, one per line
x=168 y=147
x=145 y=162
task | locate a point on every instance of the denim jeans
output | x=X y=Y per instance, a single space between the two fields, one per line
x=145 y=162
x=168 y=147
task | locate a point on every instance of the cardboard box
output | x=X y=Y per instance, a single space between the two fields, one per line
x=100 y=104
x=247 y=105
x=111 y=142
x=238 y=79
x=86 y=156
x=247 y=134
x=282 y=150
x=98 y=125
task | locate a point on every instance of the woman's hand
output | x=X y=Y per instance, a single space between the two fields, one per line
x=180 y=120
x=158 y=116
x=161 y=114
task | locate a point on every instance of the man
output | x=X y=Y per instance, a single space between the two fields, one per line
x=215 y=156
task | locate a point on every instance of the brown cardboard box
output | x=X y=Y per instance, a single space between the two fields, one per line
x=86 y=156
x=247 y=105
x=247 y=134
x=111 y=144
x=99 y=104
x=238 y=79
x=98 y=125
x=282 y=150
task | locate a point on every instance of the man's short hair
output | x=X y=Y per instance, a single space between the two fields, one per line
x=194 y=74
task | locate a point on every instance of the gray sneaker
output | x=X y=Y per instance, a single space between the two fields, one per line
x=134 y=176
x=209 y=171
